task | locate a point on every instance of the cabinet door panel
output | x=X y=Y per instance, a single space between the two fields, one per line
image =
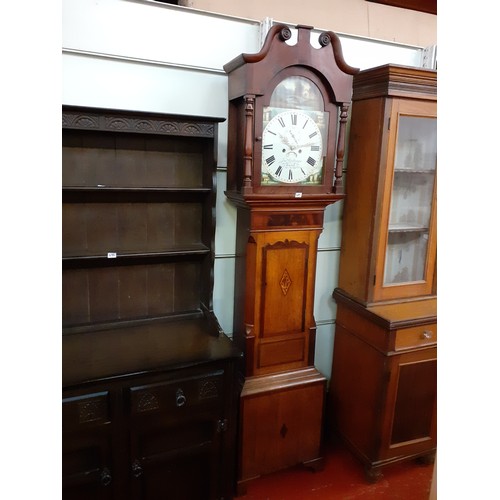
x=87 y=470
x=415 y=401
x=180 y=461
x=411 y=404
x=86 y=466
x=284 y=283
x=286 y=429
x=407 y=241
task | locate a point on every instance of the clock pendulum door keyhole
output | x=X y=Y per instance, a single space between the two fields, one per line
x=283 y=431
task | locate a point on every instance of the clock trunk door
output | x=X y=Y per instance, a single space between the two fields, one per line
x=286 y=287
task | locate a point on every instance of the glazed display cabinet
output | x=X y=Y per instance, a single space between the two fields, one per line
x=383 y=389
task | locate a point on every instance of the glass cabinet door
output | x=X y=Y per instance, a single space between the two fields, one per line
x=410 y=239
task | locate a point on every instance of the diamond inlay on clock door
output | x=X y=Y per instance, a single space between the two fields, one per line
x=285 y=282
x=283 y=288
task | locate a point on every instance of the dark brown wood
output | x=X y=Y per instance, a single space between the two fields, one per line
x=252 y=78
x=149 y=378
x=428 y=6
x=170 y=431
x=130 y=183
x=278 y=226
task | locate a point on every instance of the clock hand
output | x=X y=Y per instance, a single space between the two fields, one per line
x=308 y=144
x=284 y=140
x=294 y=138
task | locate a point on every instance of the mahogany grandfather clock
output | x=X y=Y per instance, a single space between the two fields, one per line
x=288 y=108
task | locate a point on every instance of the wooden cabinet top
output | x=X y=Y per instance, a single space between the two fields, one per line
x=401 y=314
x=404 y=311
x=117 y=120
x=392 y=80
x=153 y=346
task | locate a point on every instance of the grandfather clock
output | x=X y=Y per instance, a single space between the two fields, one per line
x=288 y=108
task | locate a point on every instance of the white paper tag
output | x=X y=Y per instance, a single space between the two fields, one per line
x=111 y=255
x=298 y=195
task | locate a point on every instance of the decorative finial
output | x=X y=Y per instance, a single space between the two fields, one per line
x=324 y=39
x=285 y=34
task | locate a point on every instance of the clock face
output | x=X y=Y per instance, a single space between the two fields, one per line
x=292 y=149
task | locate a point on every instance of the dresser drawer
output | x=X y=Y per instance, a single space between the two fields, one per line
x=85 y=410
x=416 y=336
x=203 y=391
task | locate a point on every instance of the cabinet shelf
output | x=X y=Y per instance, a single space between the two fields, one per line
x=173 y=252
x=134 y=195
x=407 y=228
x=128 y=345
x=177 y=254
x=152 y=189
x=414 y=171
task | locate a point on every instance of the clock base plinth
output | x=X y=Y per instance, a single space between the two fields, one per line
x=281 y=422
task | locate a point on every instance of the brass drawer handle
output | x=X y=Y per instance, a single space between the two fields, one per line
x=427 y=334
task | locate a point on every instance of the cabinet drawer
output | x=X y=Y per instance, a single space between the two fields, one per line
x=173 y=396
x=415 y=336
x=87 y=409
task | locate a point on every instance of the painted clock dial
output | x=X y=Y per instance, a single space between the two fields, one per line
x=292 y=147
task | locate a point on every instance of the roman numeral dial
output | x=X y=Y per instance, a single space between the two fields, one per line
x=292 y=148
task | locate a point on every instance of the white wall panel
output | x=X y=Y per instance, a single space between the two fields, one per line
x=331 y=236
x=323 y=353
x=130 y=85
x=223 y=296
x=364 y=53
x=153 y=31
x=225 y=233
x=121 y=84
x=325 y=308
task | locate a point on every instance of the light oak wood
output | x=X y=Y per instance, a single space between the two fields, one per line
x=382 y=399
x=378 y=102
x=287 y=412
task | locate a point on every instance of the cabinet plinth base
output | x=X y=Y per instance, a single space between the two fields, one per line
x=281 y=423
x=315 y=465
x=373 y=469
x=373 y=473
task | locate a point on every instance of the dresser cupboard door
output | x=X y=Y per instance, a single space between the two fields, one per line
x=87 y=469
x=176 y=437
x=180 y=461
